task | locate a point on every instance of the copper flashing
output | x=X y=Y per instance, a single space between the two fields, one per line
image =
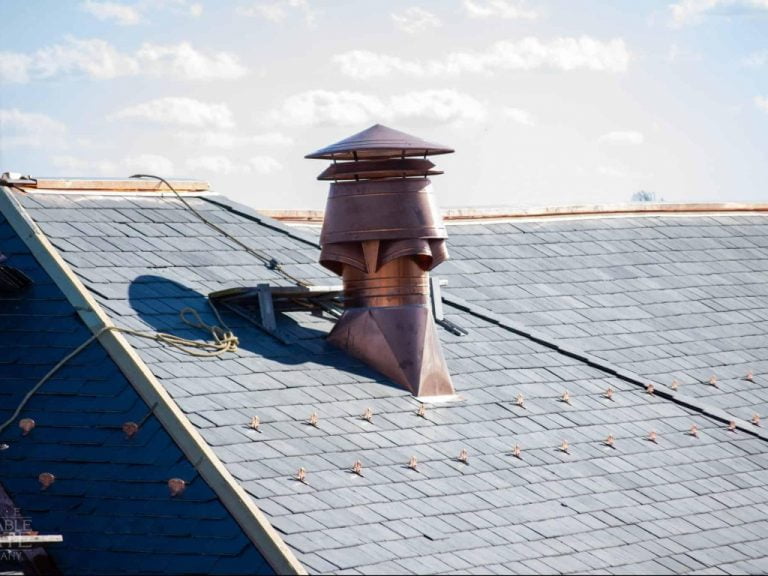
x=400 y=342
x=382 y=234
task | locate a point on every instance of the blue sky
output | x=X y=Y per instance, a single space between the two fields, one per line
x=549 y=102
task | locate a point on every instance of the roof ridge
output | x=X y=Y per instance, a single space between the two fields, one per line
x=233 y=496
x=531 y=334
x=609 y=368
x=492 y=214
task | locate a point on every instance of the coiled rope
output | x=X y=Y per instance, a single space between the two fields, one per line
x=223 y=341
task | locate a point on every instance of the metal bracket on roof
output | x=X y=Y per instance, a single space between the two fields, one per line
x=436 y=297
x=266 y=308
x=260 y=305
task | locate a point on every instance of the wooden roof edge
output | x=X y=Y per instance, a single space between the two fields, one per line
x=459 y=215
x=109 y=184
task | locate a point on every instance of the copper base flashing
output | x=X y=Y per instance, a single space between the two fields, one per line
x=400 y=342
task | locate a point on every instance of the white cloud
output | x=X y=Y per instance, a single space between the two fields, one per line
x=14 y=67
x=691 y=11
x=148 y=164
x=528 y=54
x=365 y=64
x=224 y=165
x=326 y=107
x=628 y=137
x=122 y=14
x=131 y=14
x=346 y=108
x=27 y=129
x=622 y=172
x=264 y=164
x=756 y=59
x=95 y=58
x=179 y=112
x=519 y=115
x=499 y=9
x=186 y=7
x=414 y=20
x=184 y=62
x=761 y=103
x=73 y=166
x=613 y=171
x=228 y=140
x=98 y=59
x=279 y=10
x=441 y=105
x=681 y=54
x=143 y=163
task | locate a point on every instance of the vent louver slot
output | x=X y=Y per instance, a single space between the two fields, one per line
x=13 y=280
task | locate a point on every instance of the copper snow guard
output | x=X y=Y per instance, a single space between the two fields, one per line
x=382 y=234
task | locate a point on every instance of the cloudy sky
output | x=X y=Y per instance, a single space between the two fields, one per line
x=545 y=102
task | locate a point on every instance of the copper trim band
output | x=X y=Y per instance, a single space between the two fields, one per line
x=398 y=282
x=381 y=210
x=392 y=286
x=385 y=302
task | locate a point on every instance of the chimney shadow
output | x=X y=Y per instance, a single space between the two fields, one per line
x=158 y=301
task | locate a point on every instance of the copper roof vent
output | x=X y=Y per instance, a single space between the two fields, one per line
x=382 y=233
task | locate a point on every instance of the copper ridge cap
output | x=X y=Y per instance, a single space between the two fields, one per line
x=379 y=142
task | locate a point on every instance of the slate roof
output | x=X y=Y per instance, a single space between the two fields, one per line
x=110 y=500
x=683 y=505
x=668 y=297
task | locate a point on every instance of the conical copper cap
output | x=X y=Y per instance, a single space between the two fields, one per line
x=379 y=142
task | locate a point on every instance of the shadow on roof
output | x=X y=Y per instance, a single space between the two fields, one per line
x=157 y=302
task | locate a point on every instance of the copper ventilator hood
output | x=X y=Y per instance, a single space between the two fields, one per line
x=382 y=233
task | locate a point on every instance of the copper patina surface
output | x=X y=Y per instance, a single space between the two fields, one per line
x=382 y=233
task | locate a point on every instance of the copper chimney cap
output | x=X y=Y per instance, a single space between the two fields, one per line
x=379 y=142
x=382 y=233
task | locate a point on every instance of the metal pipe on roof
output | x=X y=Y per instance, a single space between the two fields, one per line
x=382 y=233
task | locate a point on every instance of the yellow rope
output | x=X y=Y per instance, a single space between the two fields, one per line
x=223 y=341
x=270 y=262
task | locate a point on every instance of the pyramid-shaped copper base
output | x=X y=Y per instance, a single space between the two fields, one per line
x=400 y=342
